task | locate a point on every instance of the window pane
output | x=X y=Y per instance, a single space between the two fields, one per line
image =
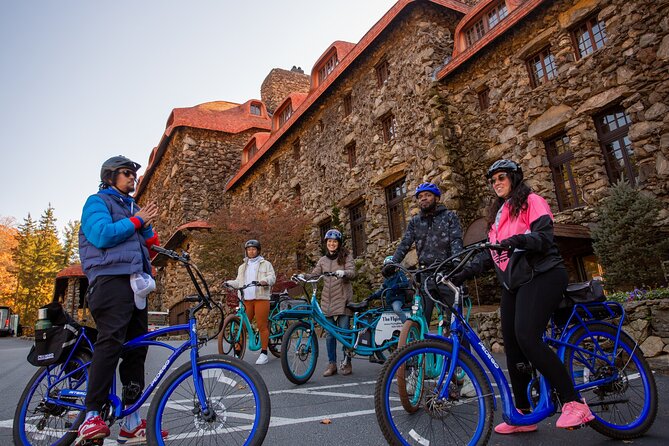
x=584 y=42
x=599 y=33
x=357 y=216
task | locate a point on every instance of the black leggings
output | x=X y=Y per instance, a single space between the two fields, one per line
x=525 y=314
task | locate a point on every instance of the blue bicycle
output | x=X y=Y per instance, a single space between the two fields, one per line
x=214 y=399
x=606 y=364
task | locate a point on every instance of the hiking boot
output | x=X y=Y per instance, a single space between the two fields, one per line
x=346 y=368
x=331 y=370
x=574 y=415
x=92 y=429
x=135 y=436
x=262 y=359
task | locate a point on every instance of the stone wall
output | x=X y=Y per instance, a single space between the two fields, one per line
x=647 y=322
x=280 y=83
x=629 y=70
x=414 y=47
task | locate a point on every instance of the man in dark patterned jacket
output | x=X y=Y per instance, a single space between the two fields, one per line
x=437 y=233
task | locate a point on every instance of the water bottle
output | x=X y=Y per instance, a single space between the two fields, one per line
x=43 y=321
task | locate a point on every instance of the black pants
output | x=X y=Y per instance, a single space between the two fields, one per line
x=525 y=313
x=441 y=293
x=112 y=305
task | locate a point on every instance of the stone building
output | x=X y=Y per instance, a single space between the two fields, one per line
x=575 y=90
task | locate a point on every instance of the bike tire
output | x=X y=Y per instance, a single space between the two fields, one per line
x=454 y=420
x=276 y=330
x=58 y=425
x=299 y=352
x=234 y=390
x=233 y=333
x=625 y=405
x=410 y=332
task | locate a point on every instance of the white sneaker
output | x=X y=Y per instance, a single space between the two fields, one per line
x=262 y=359
x=468 y=390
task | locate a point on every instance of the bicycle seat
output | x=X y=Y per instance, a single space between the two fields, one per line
x=357 y=306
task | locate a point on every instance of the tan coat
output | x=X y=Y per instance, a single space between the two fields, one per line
x=336 y=292
x=265 y=272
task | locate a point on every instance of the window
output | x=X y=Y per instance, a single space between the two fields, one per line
x=484 y=98
x=297 y=191
x=589 y=36
x=389 y=125
x=255 y=109
x=250 y=193
x=277 y=168
x=350 y=154
x=559 y=158
x=348 y=104
x=285 y=114
x=327 y=68
x=489 y=20
x=542 y=67
x=357 y=216
x=253 y=150
x=320 y=125
x=612 y=128
x=395 y=194
x=382 y=72
x=296 y=149
x=324 y=227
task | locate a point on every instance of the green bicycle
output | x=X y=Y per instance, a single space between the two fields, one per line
x=237 y=327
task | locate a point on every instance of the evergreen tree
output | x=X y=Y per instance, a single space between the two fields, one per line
x=628 y=240
x=23 y=256
x=71 y=244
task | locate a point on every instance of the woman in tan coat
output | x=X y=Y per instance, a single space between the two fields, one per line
x=337 y=291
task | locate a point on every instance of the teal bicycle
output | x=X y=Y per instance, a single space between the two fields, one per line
x=238 y=333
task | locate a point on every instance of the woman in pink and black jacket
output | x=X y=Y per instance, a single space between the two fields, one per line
x=533 y=278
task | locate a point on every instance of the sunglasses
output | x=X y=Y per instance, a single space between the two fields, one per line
x=128 y=173
x=498 y=178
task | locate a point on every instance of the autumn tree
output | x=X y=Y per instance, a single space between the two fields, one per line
x=8 y=243
x=279 y=228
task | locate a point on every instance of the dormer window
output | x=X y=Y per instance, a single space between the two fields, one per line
x=285 y=114
x=328 y=67
x=255 y=109
x=488 y=21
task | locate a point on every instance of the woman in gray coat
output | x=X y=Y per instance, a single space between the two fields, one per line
x=337 y=292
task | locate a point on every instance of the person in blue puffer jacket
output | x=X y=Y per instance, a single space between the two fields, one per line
x=395 y=286
x=114 y=243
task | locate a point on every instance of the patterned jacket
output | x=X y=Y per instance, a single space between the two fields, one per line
x=437 y=236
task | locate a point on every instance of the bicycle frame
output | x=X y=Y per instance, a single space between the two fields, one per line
x=253 y=342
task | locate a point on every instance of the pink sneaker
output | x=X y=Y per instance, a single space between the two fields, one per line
x=92 y=429
x=506 y=429
x=574 y=415
x=136 y=436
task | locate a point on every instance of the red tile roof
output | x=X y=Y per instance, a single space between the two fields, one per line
x=344 y=63
x=71 y=271
x=462 y=53
x=340 y=47
x=220 y=116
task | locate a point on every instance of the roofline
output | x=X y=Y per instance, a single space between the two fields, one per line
x=358 y=49
x=459 y=58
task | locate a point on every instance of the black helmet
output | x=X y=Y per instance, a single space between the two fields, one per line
x=252 y=244
x=113 y=164
x=508 y=166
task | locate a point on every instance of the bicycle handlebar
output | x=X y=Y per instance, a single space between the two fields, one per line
x=243 y=287
x=299 y=278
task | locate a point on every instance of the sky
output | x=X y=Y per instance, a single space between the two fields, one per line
x=82 y=80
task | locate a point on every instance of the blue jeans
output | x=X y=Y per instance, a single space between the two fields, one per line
x=340 y=321
x=397 y=308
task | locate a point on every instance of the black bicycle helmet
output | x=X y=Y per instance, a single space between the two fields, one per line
x=115 y=163
x=506 y=165
x=252 y=244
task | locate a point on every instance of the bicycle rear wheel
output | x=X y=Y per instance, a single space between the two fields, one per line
x=454 y=419
x=299 y=352
x=238 y=400
x=38 y=422
x=624 y=400
x=232 y=337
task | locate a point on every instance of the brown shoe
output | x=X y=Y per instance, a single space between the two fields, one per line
x=331 y=370
x=346 y=368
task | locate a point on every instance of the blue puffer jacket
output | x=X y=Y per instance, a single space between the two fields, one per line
x=109 y=243
x=396 y=285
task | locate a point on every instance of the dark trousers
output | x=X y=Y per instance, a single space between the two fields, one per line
x=112 y=305
x=525 y=312
x=441 y=293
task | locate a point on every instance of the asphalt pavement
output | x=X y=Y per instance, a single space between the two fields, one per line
x=333 y=411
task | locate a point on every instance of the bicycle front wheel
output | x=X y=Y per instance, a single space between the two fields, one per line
x=299 y=352
x=41 y=422
x=623 y=396
x=460 y=417
x=232 y=338
x=411 y=371
x=237 y=398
